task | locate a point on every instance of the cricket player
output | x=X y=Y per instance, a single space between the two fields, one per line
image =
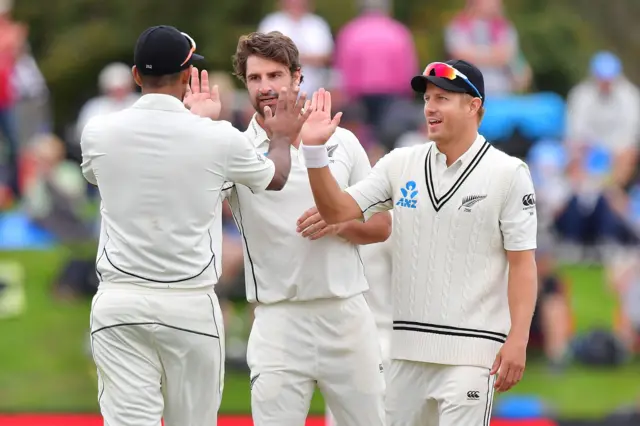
x=376 y=259
x=156 y=329
x=464 y=224
x=312 y=323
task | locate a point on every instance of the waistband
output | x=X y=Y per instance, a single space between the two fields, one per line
x=137 y=288
x=312 y=304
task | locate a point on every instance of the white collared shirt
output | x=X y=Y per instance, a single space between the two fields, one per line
x=279 y=263
x=160 y=171
x=451 y=228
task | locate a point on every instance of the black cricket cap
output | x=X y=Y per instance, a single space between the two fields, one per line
x=458 y=85
x=164 y=50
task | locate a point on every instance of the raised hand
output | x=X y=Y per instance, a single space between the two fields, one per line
x=201 y=100
x=291 y=113
x=319 y=127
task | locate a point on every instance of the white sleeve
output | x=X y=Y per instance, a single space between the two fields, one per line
x=374 y=193
x=87 y=145
x=518 y=218
x=245 y=165
x=361 y=166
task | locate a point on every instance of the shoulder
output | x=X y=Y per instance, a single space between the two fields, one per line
x=505 y=163
x=344 y=137
x=270 y=21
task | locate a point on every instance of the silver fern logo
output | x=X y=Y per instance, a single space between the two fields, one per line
x=470 y=201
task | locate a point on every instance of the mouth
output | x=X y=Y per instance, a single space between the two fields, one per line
x=268 y=101
x=434 y=122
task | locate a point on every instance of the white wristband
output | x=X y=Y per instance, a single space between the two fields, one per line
x=315 y=156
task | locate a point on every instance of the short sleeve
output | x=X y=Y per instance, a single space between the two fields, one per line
x=374 y=193
x=361 y=166
x=518 y=218
x=87 y=145
x=245 y=165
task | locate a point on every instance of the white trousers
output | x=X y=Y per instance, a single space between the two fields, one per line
x=385 y=346
x=332 y=343
x=423 y=394
x=159 y=354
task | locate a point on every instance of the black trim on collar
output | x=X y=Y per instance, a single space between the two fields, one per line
x=438 y=203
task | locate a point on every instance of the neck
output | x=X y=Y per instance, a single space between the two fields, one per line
x=260 y=121
x=454 y=148
x=176 y=92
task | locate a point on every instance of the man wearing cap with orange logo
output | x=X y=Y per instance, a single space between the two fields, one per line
x=156 y=326
x=464 y=272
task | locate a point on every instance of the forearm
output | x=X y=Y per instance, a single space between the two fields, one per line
x=522 y=295
x=280 y=154
x=375 y=230
x=334 y=205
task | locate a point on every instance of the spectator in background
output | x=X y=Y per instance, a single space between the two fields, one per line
x=13 y=36
x=604 y=111
x=117 y=92
x=375 y=58
x=482 y=35
x=552 y=318
x=624 y=276
x=311 y=34
x=55 y=195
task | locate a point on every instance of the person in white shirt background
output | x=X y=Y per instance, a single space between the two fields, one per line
x=464 y=225
x=116 y=93
x=311 y=34
x=157 y=335
x=312 y=323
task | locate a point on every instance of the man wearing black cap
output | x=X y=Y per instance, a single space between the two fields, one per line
x=156 y=327
x=464 y=272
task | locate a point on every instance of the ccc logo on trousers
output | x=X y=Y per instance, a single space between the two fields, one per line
x=473 y=395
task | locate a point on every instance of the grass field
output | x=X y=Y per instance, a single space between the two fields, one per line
x=45 y=364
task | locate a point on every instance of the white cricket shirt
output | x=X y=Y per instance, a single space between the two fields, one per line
x=451 y=227
x=377 y=259
x=279 y=263
x=160 y=171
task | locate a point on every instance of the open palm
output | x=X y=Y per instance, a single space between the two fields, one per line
x=201 y=100
x=319 y=127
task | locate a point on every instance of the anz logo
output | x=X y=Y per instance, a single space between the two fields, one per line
x=409 y=194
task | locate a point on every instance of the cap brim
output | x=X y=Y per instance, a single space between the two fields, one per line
x=195 y=57
x=419 y=84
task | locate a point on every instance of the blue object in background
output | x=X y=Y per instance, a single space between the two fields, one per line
x=518 y=407
x=598 y=161
x=17 y=232
x=537 y=116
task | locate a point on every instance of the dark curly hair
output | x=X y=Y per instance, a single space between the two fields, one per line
x=273 y=45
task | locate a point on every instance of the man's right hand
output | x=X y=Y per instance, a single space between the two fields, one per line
x=291 y=113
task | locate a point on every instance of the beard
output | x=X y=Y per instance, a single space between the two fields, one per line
x=271 y=95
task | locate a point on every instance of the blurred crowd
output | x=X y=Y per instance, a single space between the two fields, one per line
x=587 y=185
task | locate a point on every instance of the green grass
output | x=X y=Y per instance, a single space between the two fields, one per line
x=45 y=365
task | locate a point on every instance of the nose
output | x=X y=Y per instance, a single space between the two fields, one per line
x=429 y=109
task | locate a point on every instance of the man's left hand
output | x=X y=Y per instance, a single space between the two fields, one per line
x=312 y=226
x=509 y=364
x=201 y=100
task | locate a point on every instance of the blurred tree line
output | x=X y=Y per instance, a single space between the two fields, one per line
x=73 y=39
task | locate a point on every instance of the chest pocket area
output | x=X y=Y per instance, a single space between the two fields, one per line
x=471 y=219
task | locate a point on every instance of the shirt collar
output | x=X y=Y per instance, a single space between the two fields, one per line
x=157 y=101
x=257 y=133
x=467 y=156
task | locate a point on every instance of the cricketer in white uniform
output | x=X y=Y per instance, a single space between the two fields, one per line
x=464 y=225
x=312 y=323
x=157 y=335
x=377 y=260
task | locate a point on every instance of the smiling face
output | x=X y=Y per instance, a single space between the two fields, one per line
x=448 y=113
x=265 y=79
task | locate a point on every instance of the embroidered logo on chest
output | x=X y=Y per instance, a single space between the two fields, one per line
x=469 y=201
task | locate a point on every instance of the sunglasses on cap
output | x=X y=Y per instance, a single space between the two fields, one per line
x=192 y=50
x=442 y=70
